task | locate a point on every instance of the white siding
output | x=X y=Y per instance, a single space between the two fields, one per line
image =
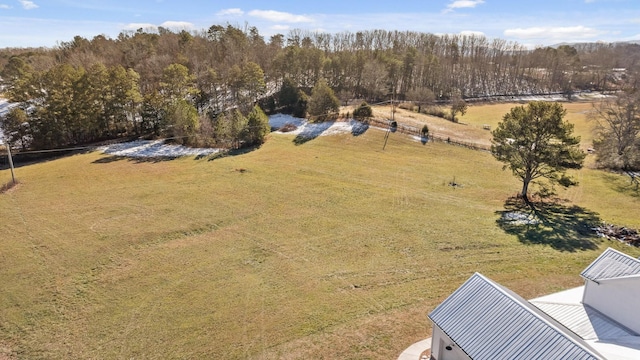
x=617 y=299
x=439 y=343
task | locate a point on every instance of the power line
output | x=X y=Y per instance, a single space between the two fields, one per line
x=55 y=150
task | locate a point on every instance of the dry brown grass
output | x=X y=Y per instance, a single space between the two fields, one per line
x=332 y=249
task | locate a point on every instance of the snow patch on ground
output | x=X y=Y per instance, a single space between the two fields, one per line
x=154 y=149
x=304 y=129
x=279 y=120
x=158 y=149
x=312 y=130
x=519 y=218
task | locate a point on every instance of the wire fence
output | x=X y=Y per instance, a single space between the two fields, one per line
x=34 y=155
x=415 y=131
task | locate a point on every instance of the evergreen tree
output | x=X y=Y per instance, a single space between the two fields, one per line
x=184 y=119
x=323 y=101
x=177 y=82
x=257 y=127
x=288 y=96
x=534 y=142
x=15 y=127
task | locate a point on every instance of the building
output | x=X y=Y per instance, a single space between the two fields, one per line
x=600 y=320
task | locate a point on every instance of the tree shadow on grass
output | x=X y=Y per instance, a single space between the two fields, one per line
x=358 y=128
x=311 y=131
x=137 y=160
x=227 y=153
x=628 y=184
x=27 y=159
x=564 y=228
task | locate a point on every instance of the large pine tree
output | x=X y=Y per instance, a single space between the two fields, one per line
x=535 y=142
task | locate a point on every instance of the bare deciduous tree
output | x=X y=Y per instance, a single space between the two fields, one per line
x=618 y=145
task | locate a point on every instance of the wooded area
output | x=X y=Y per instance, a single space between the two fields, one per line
x=199 y=87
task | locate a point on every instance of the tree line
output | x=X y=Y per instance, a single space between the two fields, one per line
x=204 y=86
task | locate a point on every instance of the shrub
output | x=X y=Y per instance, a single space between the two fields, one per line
x=435 y=111
x=425 y=130
x=288 y=127
x=407 y=106
x=363 y=111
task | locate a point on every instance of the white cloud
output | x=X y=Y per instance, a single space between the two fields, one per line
x=635 y=37
x=230 y=12
x=136 y=26
x=28 y=5
x=471 y=32
x=459 y=4
x=5 y=6
x=559 y=33
x=280 y=27
x=177 y=25
x=278 y=16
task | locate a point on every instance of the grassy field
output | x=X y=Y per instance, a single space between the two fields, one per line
x=479 y=115
x=328 y=249
x=471 y=128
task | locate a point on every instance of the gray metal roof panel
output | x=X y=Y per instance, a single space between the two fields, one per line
x=585 y=321
x=611 y=264
x=489 y=322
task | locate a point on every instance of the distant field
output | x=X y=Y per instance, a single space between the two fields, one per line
x=479 y=115
x=471 y=127
x=330 y=248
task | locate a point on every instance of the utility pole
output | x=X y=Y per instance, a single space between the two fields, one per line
x=392 y=122
x=13 y=176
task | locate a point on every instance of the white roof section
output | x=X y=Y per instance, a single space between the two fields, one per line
x=487 y=321
x=625 y=348
x=585 y=321
x=610 y=339
x=612 y=264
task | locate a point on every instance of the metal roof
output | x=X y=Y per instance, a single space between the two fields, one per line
x=611 y=264
x=585 y=321
x=488 y=321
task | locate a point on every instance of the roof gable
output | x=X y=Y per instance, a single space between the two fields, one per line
x=488 y=321
x=611 y=264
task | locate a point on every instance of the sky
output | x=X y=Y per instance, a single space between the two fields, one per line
x=48 y=23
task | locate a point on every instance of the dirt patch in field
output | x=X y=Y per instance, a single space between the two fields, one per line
x=9 y=187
